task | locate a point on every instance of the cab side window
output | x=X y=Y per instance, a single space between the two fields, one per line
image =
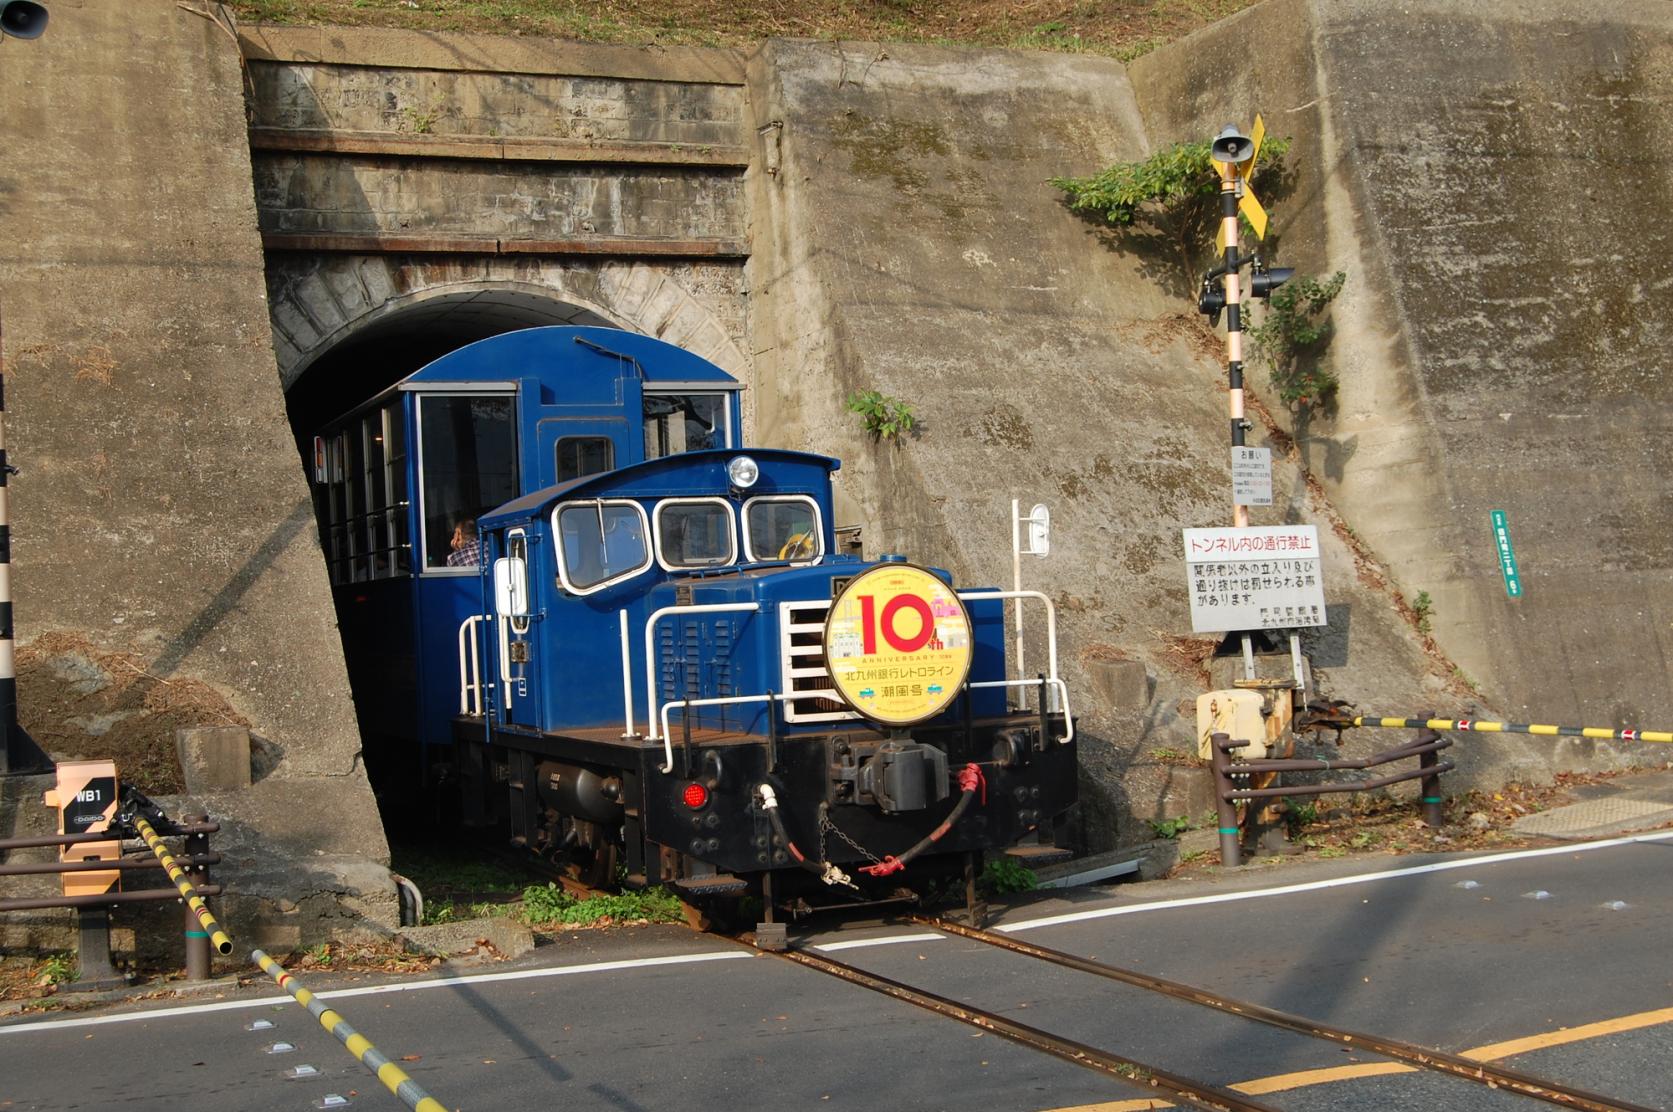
x=695 y=533
x=601 y=542
x=783 y=528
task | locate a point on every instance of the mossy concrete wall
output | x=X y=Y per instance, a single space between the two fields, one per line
x=161 y=517
x=909 y=242
x=1494 y=181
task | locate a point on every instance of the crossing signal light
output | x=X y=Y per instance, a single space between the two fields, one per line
x=1211 y=299
x=23 y=19
x=1263 y=282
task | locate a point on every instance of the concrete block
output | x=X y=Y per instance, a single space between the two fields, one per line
x=507 y=937
x=214 y=758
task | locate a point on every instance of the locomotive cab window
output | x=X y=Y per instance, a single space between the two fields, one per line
x=600 y=542
x=580 y=456
x=783 y=528
x=685 y=423
x=695 y=533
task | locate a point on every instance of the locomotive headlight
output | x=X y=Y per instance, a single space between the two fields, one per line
x=743 y=472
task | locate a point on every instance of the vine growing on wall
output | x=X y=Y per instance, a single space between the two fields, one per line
x=1170 y=201
x=1291 y=337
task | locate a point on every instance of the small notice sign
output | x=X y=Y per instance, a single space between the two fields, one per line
x=1252 y=476
x=1507 y=555
x=1261 y=577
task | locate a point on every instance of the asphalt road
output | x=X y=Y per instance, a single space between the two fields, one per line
x=1456 y=953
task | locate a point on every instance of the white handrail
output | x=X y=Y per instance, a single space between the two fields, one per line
x=627 y=681
x=503 y=625
x=650 y=645
x=1057 y=686
x=667 y=765
x=1051 y=628
x=729 y=700
x=470 y=685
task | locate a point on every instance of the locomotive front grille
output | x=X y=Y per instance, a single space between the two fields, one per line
x=807 y=679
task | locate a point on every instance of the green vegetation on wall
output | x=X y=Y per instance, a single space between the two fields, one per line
x=1291 y=337
x=1168 y=201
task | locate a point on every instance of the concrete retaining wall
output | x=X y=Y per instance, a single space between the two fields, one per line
x=161 y=519
x=1494 y=182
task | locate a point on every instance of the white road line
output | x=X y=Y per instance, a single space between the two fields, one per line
x=375 y=990
x=1339 y=882
x=882 y=940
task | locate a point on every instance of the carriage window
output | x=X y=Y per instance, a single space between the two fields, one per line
x=783 y=529
x=695 y=534
x=600 y=542
x=375 y=485
x=468 y=456
x=579 y=456
x=337 y=494
x=684 y=423
x=395 y=512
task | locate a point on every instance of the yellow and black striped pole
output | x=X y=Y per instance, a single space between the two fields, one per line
x=217 y=937
x=1471 y=726
x=394 y=1078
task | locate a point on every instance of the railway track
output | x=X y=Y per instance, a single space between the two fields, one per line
x=1199 y=1094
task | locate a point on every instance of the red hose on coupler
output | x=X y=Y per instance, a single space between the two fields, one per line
x=970 y=780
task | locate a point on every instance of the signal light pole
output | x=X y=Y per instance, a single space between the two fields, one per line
x=1234 y=156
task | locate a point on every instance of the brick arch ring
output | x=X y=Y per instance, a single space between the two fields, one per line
x=316 y=302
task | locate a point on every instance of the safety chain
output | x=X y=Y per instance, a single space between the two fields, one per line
x=826 y=826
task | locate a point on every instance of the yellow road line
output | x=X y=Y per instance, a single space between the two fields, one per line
x=1489 y=1053
x=1596 y=1030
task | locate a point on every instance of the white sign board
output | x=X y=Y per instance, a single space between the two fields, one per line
x=1260 y=577
x=1252 y=476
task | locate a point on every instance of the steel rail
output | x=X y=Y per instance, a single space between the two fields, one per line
x=1137 y=1073
x=1484 y=1073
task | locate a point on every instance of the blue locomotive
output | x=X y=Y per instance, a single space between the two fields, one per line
x=568 y=589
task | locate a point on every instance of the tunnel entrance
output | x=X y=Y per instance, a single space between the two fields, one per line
x=404 y=337
x=369 y=496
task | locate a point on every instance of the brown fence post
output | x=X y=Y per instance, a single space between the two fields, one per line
x=1431 y=782
x=1224 y=809
x=197 y=939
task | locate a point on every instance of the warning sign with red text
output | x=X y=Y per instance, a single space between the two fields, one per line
x=898 y=644
x=1257 y=577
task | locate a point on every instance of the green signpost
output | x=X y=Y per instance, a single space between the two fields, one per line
x=1507 y=555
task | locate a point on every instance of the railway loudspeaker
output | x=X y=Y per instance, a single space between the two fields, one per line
x=1231 y=146
x=23 y=19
